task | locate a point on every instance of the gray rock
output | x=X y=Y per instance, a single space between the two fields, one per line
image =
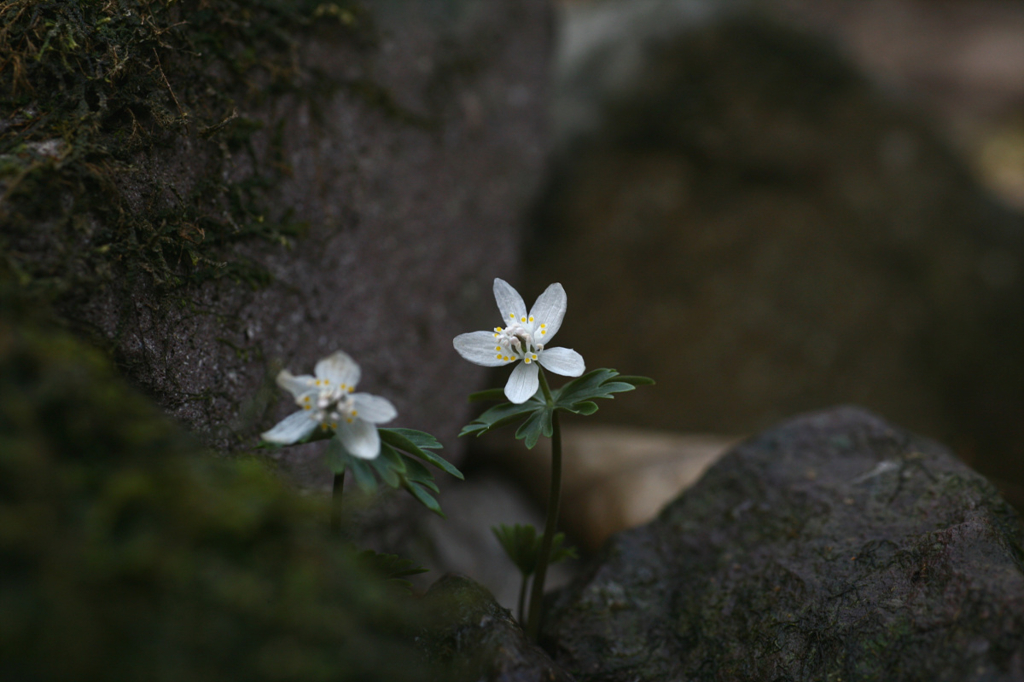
x=406 y=138
x=478 y=641
x=735 y=211
x=835 y=546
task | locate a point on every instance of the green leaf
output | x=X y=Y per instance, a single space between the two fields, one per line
x=391 y=567
x=414 y=442
x=500 y=415
x=536 y=424
x=522 y=544
x=420 y=474
x=489 y=394
x=578 y=395
x=636 y=380
x=382 y=464
x=425 y=498
x=585 y=408
x=421 y=439
x=395 y=460
x=336 y=456
x=363 y=472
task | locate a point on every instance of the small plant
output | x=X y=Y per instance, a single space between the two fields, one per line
x=536 y=407
x=330 y=408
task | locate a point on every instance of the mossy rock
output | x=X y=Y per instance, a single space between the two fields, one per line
x=832 y=547
x=211 y=189
x=127 y=554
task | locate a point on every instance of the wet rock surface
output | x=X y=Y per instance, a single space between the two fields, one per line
x=479 y=640
x=835 y=546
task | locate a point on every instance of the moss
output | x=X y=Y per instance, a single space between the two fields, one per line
x=96 y=92
x=125 y=556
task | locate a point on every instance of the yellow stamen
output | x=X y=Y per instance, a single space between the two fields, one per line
x=531 y=318
x=526 y=360
x=349 y=420
x=309 y=407
x=512 y=315
x=354 y=413
x=499 y=356
x=524 y=318
x=334 y=425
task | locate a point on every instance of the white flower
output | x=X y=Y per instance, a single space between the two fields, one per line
x=328 y=400
x=524 y=340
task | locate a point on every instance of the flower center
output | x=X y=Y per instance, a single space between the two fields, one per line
x=331 y=403
x=520 y=341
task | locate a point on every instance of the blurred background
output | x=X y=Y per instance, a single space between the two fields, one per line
x=778 y=207
x=770 y=207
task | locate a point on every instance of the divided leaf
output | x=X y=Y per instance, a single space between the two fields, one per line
x=391 y=567
x=577 y=397
x=398 y=465
x=522 y=544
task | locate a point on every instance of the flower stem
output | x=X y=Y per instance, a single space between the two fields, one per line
x=336 y=493
x=522 y=596
x=554 y=498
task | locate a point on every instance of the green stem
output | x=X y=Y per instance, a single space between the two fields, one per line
x=554 y=498
x=336 y=493
x=522 y=596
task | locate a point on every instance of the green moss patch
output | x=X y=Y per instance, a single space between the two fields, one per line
x=97 y=95
x=125 y=556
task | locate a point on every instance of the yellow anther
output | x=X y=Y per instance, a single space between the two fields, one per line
x=526 y=360
x=512 y=315
x=543 y=324
x=309 y=407
x=497 y=348
x=349 y=420
x=351 y=388
x=495 y=335
x=499 y=356
x=354 y=413
x=543 y=331
x=327 y=382
x=531 y=318
x=334 y=425
x=524 y=318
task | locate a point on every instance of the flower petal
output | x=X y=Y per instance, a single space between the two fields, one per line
x=298 y=386
x=548 y=310
x=373 y=408
x=564 y=361
x=522 y=383
x=338 y=368
x=292 y=428
x=480 y=348
x=510 y=303
x=360 y=438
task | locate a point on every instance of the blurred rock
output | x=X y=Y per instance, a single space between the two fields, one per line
x=766 y=233
x=480 y=642
x=834 y=546
x=464 y=543
x=127 y=555
x=613 y=478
